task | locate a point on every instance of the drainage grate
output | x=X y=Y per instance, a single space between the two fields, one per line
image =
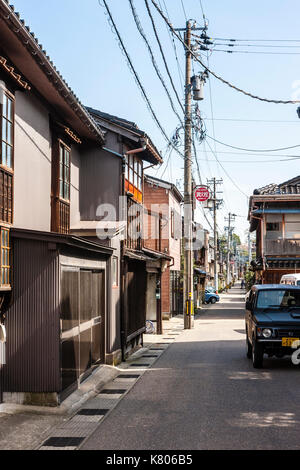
x=149 y=355
x=112 y=391
x=139 y=365
x=128 y=376
x=92 y=412
x=63 y=442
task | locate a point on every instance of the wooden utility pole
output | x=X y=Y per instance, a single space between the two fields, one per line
x=188 y=197
x=216 y=203
x=188 y=184
x=231 y=218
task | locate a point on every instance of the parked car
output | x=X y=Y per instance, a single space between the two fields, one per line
x=291 y=279
x=272 y=320
x=211 y=289
x=211 y=297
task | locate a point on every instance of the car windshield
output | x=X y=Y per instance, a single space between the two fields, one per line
x=278 y=299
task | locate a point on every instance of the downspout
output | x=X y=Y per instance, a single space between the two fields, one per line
x=122 y=269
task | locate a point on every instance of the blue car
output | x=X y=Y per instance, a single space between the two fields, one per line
x=211 y=297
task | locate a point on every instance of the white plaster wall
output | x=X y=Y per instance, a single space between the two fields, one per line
x=175 y=245
x=32 y=165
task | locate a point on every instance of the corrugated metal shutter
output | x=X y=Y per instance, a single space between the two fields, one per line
x=32 y=354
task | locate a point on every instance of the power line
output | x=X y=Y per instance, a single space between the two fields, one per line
x=256 y=45
x=142 y=33
x=162 y=54
x=246 y=154
x=226 y=173
x=256 y=52
x=200 y=178
x=254 y=120
x=138 y=81
x=213 y=73
x=254 y=161
x=167 y=163
x=201 y=6
x=257 y=40
x=213 y=128
x=184 y=12
x=180 y=72
x=253 y=150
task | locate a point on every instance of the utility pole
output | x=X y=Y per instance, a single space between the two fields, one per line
x=231 y=218
x=216 y=203
x=188 y=201
x=249 y=249
x=188 y=185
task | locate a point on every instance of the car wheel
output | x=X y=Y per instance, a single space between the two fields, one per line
x=257 y=354
x=213 y=300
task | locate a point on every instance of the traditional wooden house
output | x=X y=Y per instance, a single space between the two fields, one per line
x=59 y=285
x=140 y=265
x=164 y=198
x=274 y=213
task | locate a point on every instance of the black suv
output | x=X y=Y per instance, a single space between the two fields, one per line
x=272 y=321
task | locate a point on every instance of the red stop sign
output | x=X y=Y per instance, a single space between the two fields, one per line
x=202 y=193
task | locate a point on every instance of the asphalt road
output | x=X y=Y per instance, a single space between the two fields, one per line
x=203 y=393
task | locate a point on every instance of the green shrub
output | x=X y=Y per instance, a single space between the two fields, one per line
x=249 y=279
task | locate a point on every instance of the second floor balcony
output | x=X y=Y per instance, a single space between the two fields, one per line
x=282 y=247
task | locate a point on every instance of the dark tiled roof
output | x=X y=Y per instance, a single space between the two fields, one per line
x=291 y=186
x=129 y=125
x=117 y=120
x=19 y=26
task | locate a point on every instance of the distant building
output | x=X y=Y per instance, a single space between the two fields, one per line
x=164 y=198
x=274 y=213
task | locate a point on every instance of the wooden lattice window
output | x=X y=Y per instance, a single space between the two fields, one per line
x=6 y=155
x=64 y=172
x=61 y=180
x=5 y=258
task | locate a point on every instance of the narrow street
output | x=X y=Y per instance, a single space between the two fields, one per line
x=203 y=393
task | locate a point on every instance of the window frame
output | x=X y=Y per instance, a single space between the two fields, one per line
x=134 y=171
x=5 y=92
x=60 y=207
x=6 y=267
x=66 y=148
x=7 y=173
x=172 y=228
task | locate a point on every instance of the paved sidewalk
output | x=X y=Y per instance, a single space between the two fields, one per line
x=27 y=427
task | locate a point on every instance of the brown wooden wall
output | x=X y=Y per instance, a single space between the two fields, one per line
x=274 y=276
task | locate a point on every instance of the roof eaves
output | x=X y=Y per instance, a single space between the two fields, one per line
x=27 y=37
x=130 y=127
x=171 y=186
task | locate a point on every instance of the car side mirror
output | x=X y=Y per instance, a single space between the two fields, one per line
x=248 y=305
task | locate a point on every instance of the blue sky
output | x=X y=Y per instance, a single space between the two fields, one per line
x=78 y=38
